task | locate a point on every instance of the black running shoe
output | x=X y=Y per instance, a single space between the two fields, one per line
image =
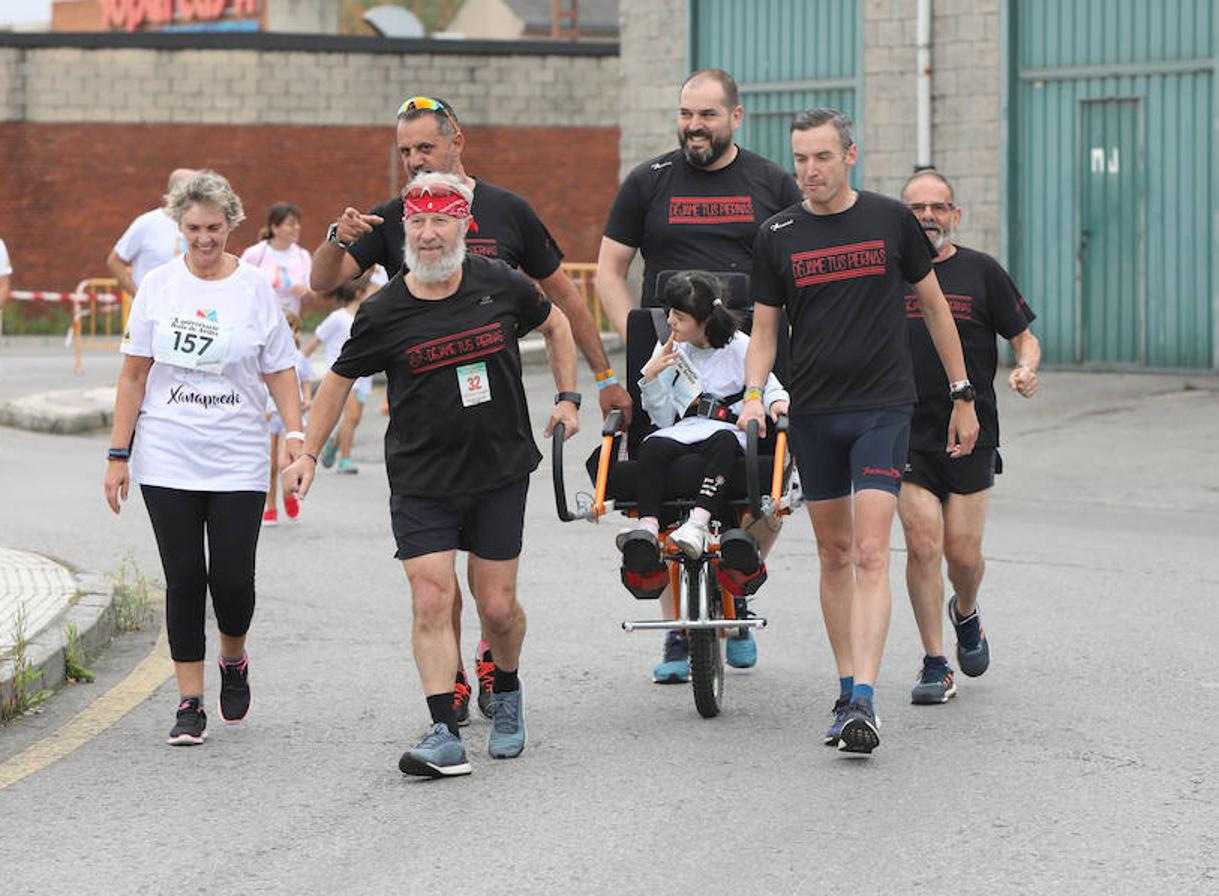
x=190 y=729
x=840 y=717
x=860 y=730
x=973 y=650
x=234 y=690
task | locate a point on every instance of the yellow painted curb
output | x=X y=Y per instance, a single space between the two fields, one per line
x=99 y=715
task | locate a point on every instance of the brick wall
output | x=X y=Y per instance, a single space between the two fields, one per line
x=88 y=136
x=965 y=110
x=69 y=190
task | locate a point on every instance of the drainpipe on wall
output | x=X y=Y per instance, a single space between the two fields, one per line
x=923 y=56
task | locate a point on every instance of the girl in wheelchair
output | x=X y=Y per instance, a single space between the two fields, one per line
x=692 y=388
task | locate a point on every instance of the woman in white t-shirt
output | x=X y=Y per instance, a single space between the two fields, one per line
x=204 y=336
x=280 y=258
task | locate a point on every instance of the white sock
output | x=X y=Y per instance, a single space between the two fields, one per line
x=650 y=524
x=700 y=516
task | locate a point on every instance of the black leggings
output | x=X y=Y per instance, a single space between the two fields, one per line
x=232 y=520
x=657 y=453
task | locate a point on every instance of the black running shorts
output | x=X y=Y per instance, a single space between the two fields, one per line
x=488 y=524
x=943 y=475
x=838 y=451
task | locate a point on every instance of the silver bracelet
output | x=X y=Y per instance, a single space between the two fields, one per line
x=295 y=436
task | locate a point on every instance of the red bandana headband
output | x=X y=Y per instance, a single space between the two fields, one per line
x=440 y=202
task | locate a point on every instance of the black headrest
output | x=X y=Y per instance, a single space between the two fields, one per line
x=736 y=285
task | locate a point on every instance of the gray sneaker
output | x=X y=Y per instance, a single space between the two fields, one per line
x=439 y=753
x=507 y=738
x=936 y=683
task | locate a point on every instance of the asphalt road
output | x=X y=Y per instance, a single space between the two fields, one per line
x=1084 y=758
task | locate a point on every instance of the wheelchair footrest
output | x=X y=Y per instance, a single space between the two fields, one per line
x=672 y=624
x=741 y=571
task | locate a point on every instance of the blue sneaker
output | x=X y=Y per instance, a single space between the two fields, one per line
x=973 y=651
x=674 y=668
x=741 y=649
x=860 y=729
x=507 y=738
x=936 y=683
x=439 y=754
x=329 y=450
x=840 y=717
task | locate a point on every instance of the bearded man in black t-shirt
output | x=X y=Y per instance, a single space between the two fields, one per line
x=504 y=226
x=697 y=207
x=458 y=449
x=943 y=499
x=838 y=263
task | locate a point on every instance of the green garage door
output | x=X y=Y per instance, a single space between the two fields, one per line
x=787 y=56
x=1112 y=178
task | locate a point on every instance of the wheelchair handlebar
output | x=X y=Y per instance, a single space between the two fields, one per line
x=753 y=485
x=753 y=488
x=560 y=491
x=611 y=427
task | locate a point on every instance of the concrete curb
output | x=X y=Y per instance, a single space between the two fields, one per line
x=89 y=611
x=65 y=412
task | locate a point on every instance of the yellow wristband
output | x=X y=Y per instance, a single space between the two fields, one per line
x=753 y=393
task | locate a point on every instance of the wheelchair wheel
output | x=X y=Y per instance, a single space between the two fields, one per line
x=707 y=657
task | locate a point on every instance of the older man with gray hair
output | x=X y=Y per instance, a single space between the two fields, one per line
x=458 y=449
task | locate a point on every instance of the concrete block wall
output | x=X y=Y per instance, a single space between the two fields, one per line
x=965 y=103
x=91 y=133
x=294 y=88
x=653 y=65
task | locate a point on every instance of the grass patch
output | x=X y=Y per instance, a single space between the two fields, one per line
x=132 y=604
x=23 y=692
x=74 y=668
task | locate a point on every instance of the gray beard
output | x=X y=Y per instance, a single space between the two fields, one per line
x=448 y=265
x=942 y=238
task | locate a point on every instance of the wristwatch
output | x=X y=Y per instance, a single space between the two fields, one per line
x=332 y=236
x=573 y=397
x=961 y=391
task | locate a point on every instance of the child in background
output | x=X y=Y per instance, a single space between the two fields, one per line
x=304 y=373
x=332 y=333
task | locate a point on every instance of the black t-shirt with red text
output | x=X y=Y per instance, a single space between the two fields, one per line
x=983 y=301
x=684 y=218
x=505 y=227
x=842 y=278
x=458 y=419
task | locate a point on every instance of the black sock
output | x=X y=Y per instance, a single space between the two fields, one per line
x=441 y=708
x=505 y=681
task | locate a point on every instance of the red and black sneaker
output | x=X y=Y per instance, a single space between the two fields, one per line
x=461 y=699
x=190 y=727
x=484 y=668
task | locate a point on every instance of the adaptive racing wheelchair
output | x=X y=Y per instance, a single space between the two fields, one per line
x=704 y=588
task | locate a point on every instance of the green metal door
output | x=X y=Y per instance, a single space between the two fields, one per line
x=1112 y=323
x=786 y=56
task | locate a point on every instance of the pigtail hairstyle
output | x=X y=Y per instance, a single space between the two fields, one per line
x=701 y=295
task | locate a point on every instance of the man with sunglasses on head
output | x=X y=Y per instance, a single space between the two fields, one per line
x=943 y=499
x=697 y=207
x=503 y=226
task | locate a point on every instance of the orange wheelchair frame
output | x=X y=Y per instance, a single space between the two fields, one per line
x=699 y=603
